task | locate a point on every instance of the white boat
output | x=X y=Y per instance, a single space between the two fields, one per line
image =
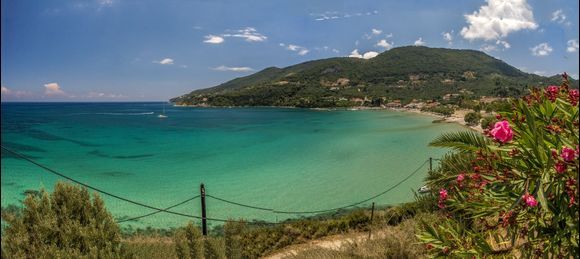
x=163 y=114
x=424 y=189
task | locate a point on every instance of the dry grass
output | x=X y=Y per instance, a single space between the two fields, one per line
x=150 y=247
x=389 y=242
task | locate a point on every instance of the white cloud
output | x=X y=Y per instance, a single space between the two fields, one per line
x=333 y=15
x=299 y=49
x=335 y=51
x=448 y=36
x=234 y=69
x=355 y=54
x=166 y=61
x=370 y=54
x=505 y=44
x=572 y=46
x=543 y=49
x=5 y=90
x=107 y=3
x=8 y=93
x=376 y=31
x=249 y=34
x=385 y=44
x=52 y=89
x=498 y=19
x=213 y=39
x=419 y=42
x=488 y=48
x=103 y=95
x=558 y=16
x=367 y=55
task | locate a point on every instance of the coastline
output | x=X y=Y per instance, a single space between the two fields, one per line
x=457 y=117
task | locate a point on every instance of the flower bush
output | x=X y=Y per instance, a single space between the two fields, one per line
x=514 y=191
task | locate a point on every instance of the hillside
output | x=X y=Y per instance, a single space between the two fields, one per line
x=403 y=74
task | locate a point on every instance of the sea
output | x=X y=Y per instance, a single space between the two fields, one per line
x=277 y=160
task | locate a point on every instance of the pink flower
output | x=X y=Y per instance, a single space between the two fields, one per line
x=443 y=194
x=568 y=154
x=502 y=131
x=560 y=167
x=460 y=177
x=530 y=200
x=573 y=97
x=552 y=92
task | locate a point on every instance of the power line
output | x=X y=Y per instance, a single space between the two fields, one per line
x=125 y=199
x=95 y=188
x=239 y=204
x=158 y=211
x=167 y=210
x=326 y=210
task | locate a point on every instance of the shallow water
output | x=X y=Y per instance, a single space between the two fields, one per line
x=285 y=159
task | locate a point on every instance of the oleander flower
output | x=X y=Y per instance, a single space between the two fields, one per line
x=442 y=194
x=573 y=96
x=560 y=167
x=530 y=200
x=552 y=92
x=568 y=154
x=502 y=131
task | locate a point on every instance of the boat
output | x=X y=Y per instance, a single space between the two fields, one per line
x=162 y=115
x=424 y=189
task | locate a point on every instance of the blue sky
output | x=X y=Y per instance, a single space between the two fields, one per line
x=129 y=50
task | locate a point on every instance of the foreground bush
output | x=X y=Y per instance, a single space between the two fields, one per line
x=514 y=191
x=63 y=224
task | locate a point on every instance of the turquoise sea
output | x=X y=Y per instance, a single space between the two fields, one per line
x=286 y=159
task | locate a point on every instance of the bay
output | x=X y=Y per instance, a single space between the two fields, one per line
x=281 y=158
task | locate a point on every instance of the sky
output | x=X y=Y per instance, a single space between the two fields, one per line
x=141 y=50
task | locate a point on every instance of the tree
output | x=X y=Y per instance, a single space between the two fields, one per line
x=66 y=223
x=472 y=118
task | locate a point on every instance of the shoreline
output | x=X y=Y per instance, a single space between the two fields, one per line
x=456 y=117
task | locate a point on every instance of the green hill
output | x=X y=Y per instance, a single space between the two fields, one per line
x=403 y=73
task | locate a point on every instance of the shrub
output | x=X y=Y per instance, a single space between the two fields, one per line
x=472 y=118
x=66 y=223
x=232 y=239
x=487 y=122
x=189 y=242
x=442 y=110
x=213 y=248
x=515 y=191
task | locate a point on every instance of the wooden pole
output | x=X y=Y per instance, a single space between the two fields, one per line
x=372 y=214
x=430 y=164
x=203 y=219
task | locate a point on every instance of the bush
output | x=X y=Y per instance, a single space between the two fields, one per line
x=442 y=110
x=472 y=118
x=487 y=122
x=189 y=242
x=63 y=224
x=515 y=191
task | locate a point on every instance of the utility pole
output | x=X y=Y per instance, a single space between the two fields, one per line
x=203 y=219
x=371 y=225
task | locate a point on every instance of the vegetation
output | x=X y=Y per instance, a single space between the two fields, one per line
x=65 y=223
x=515 y=191
x=404 y=74
x=472 y=118
x=442 y=110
